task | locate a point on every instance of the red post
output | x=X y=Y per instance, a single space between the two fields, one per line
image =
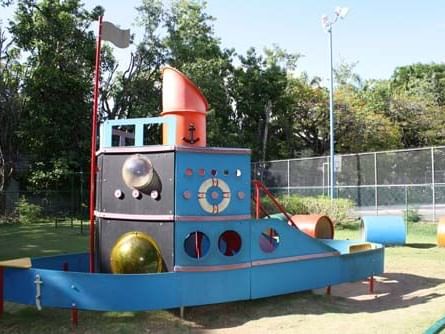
x=1 y=292
x=328 y=290
x=93 y=165
x=74 y=316
x=66 y=266
x=257 y=201
x=371 y=284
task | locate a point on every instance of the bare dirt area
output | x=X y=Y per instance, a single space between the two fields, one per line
x=408 y=298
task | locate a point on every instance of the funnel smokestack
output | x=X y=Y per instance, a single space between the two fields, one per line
x=184 y=101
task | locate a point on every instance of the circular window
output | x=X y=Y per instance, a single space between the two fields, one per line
x=196 y=244
x=229 y=243
x=269 y=240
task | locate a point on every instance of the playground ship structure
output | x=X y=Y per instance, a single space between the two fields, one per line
x=174 y=227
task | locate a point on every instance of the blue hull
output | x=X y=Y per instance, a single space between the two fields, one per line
x=258 y=278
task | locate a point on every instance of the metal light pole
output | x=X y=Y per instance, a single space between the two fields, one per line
x=327 y=25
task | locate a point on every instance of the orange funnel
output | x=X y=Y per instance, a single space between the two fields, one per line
x=182 y=100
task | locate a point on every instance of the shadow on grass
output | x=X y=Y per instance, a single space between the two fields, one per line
x=421 y=245
x=351 y=226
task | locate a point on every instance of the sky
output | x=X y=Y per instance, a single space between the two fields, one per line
x=380 y=35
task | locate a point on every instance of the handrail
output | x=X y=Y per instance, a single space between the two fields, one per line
x=258 y=185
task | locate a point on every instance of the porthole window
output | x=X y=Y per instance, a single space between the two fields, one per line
x=269 y=240
x=229 y=243
x=214 y=172
x=226 y=172
x=196 y=244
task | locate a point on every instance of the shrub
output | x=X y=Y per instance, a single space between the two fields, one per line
x=412 y=216
x=338 y=209
x=28 y=212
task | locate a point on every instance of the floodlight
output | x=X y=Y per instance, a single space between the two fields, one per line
x=341 y=12
x=325 y=22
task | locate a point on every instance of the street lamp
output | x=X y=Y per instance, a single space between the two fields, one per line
x=340 y=12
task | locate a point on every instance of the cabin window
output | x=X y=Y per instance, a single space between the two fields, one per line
x=197 y=244
x=229 y=243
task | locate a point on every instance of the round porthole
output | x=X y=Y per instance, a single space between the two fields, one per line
x=229 y=243
x=196 y=244
x=269 y=240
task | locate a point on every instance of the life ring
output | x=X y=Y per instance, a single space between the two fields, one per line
x=214 y=195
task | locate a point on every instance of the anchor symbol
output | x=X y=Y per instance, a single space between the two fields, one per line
x=191 y=140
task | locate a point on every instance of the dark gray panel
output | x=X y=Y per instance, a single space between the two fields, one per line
x=111 y=230
x=110 y=179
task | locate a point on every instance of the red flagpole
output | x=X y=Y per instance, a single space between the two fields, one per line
x=93 y=164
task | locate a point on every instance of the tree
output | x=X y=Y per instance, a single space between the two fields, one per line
x=418 y=103
x=11 y=104
x=421 y=80
x=308 y=106
x=260 y=100
x=60 y=47
x=136 y=92
x=362 y=123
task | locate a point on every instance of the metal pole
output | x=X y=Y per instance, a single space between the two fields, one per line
x=2 y=301
x=93 y=145
x=433 y=184
x=376 y=194
x=331 y=118
x=288 y=178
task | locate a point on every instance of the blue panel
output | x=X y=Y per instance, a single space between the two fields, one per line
x=215 y=287
x=343 y=245
x=102 y=292
x=76 y=262
x=212 y=230
x=292 y=242
x=276 y=279
x=108 y=292
x=239 y=186
x=19 y=286
x=386 y=230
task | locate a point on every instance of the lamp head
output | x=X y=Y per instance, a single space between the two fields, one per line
x=325 y=22
x=341 y=12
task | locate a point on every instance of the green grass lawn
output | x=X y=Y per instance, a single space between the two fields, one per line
x=41 y=239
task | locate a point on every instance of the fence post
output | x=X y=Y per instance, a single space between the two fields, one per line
x=376 y=196
x=433 y=183
x=288 y=178
x=406 y=204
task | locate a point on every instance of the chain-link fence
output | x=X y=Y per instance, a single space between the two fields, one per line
x=389 y=182
x=70 y=199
